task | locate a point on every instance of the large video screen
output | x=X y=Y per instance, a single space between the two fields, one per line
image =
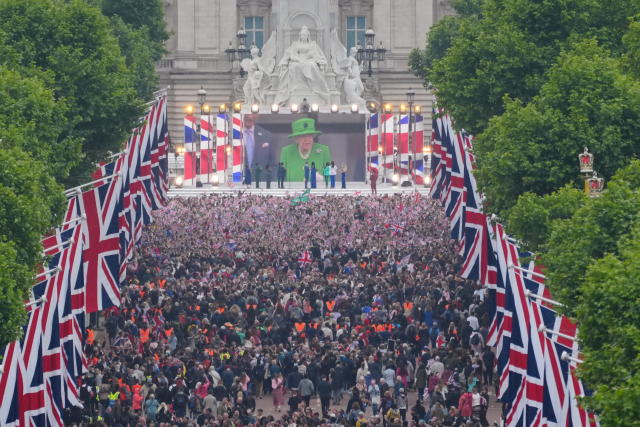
x=298 y=138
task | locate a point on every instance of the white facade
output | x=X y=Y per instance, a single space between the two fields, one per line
x=203 y=29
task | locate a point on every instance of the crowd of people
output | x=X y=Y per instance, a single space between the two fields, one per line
x=248 y=310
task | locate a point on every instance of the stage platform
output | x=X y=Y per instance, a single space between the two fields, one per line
x=293 y=189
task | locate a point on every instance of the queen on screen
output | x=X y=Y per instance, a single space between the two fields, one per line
x=304 y=150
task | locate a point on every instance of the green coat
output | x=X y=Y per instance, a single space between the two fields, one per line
x=294 y=163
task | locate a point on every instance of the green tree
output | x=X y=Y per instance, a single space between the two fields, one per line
x=30 y=203
x=531 y=217
x=31 y=118
x=140 y=28
x=609 y=321
x=141 y=55
x=593 y=231
x=139 y=14
x=631 y=56
x=587 y=101
x=441 y=36
x=506 y=53
x=72 y=42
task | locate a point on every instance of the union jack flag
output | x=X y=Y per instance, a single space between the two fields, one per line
x=101 y=207
x=455 y=200
x=395 y=227
x=159 y=161
x=238 y=154
x=437 y=164
x=222 y=134
x=305 y=258
x=372 y=138
x=190 y=150
x=206 y=147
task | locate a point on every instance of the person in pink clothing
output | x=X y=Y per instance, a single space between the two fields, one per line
x=465 y=405
x=277 y=385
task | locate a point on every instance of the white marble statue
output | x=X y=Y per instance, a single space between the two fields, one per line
x=347 y=70
x=301 y=71
x=259 y=69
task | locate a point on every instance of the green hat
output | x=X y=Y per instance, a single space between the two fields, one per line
x=304 y=127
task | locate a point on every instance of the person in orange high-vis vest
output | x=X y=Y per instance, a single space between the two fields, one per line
x=144 y=335
x=91 y=336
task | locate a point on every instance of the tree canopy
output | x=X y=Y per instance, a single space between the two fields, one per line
x=610 y=331
x=536 y=82
x=73 y=82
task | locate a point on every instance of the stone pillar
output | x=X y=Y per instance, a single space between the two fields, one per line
x=186 y=26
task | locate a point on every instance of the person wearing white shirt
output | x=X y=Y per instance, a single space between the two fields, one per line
x=333 y=171
x=473 y=322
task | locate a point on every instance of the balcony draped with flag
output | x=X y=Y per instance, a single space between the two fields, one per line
x=87 y=260
x=536 y=384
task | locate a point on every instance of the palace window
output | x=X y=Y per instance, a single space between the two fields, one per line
x=356 y=26
x=254 y=26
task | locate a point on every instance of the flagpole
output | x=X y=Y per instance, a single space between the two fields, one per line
x=528 y=293
x=38 y=301
x=524 y=270
x=71 y=221
x=117 y=154
x=68 y=192
x=543 y=328
x=44 y=273
x=61 y=245
x=565 y=356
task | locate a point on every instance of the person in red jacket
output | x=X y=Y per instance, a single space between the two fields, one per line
x=465 y=407
x=373 y=178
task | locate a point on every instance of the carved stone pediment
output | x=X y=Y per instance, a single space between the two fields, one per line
x=247 y=3
x=347 y=4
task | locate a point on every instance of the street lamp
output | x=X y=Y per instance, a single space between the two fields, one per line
x=240 y=52
x=593 y=185
x=586 y=167
x=596 y=185
x=204 y=108
x=410 y=97
x=369 y=52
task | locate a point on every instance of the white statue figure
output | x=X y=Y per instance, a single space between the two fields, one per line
x=259 y=69
x=347 y=70
x=301 y=69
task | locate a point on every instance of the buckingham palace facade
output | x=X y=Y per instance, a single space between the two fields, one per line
x=210 y=37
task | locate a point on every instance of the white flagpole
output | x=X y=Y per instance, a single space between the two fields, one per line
x=565 y=356
x=38 y=301
x=117 y=154
x=524 y=270
x=68 y=192
x=543 y=328
x=44 y=273
x=540 y=297
x=61 y=245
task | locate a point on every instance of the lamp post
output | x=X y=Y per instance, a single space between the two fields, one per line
x=369 y=52
x=240 y=52
x=410 y=97
x=202 y=99
x=593 y=185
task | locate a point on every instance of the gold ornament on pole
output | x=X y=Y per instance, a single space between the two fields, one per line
x=596 y=185
x=586 y=167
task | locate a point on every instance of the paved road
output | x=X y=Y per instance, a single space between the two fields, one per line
x=266 y=404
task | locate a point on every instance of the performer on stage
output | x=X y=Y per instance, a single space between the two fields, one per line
x=257 y=142
x=294 y=156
